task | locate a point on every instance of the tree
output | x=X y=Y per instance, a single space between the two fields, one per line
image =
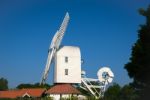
x=113 y=92
x=36 y=85
x=138 y=67
x=21 y=86
x=3 y=84
x=128 y=93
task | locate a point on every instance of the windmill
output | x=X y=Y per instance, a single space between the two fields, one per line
x=68 y=61
x=55 y=44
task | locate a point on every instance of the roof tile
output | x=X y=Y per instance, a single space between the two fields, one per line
x=63 y=89
x=19 y=93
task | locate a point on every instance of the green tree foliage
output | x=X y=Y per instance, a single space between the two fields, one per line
x=138 y=67
x=115 y=92
x=112 y=92
x=3 y=84
x=128 y=93
x=36 y=85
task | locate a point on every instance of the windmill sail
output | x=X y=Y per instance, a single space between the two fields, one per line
x=60 y=33
x=55 y=46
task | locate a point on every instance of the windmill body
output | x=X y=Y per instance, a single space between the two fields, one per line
x=68 y=65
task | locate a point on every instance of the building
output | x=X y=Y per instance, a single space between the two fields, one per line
x=56 y=92
x=59 y=91
x=23 y=93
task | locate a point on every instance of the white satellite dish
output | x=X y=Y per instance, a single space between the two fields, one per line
x=105 y=75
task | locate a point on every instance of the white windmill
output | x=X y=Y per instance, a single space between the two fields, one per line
x=55 y=44
x=67 y=61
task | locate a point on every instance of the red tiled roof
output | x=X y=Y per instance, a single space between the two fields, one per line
x=34 y=92
x=10 y=94
x=19 y=93
x=63 y=89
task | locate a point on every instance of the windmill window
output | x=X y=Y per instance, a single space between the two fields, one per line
x=66 y=59
x=66 y=71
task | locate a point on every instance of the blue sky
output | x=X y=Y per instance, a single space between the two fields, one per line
x=105 y=31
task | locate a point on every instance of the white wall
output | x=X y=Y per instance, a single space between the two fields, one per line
x=73 y=65
x=55 y=96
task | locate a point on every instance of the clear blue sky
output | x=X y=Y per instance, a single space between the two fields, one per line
x=105 y=31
